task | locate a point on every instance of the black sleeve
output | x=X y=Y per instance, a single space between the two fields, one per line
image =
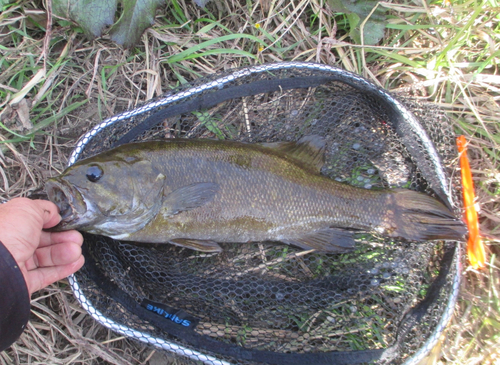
x=14 y=300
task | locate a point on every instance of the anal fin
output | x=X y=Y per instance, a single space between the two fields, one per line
x=329 y=240
x=197 y=245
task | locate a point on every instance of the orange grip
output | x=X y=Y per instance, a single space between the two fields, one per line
x=475 y=247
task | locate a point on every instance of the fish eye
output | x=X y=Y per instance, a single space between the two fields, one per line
x=94 y=173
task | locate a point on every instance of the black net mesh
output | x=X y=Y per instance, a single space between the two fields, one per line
x=254 y=301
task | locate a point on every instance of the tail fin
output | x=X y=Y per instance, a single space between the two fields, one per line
x=420 y=217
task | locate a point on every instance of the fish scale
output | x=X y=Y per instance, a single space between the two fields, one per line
x=194 y=193
x=283 y=201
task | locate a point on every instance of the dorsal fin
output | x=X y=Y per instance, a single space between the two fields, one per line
x=309 y=150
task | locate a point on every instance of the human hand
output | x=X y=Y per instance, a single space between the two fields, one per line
x=43 y=257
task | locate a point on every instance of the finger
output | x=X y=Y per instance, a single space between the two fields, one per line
x=30 y=264
x=54 y=238
x=39 y=278
x=57 y=255
x=49 y=212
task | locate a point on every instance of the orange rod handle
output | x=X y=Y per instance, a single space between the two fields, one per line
x=475 y=247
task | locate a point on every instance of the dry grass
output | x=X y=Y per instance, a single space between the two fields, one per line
x=61 y=332
x=48 y=101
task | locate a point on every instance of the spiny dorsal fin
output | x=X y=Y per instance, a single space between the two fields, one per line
x=309 y=149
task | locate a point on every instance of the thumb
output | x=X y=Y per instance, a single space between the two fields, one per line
x=49 y=213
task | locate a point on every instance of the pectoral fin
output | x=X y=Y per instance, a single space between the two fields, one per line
x=329 y=240
x=190 y=197
x=198 y=245
x=309 y=149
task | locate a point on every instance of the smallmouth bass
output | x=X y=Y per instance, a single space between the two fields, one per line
x=195 y=193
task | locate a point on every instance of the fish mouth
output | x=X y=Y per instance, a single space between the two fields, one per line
x=70 y=202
